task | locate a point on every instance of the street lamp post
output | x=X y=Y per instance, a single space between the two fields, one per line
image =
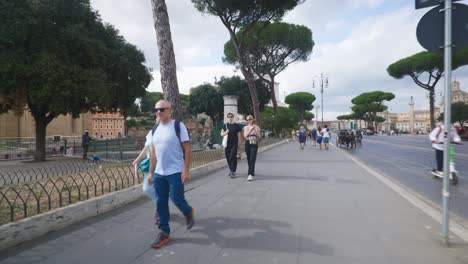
x=316 y=116
x=323 y=84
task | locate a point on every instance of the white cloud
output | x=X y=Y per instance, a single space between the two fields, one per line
x=353 y=48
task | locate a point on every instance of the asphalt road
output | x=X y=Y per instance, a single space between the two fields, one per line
x=409 y=160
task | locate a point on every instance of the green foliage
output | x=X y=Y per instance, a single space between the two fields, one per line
x=430 y=63
x=366 y=105
x=237 y=86
x=149 y=100
x=57 y=57
x=131 y=123
x=425 y=61
x=283 y=120
x=134 y=110
x=272 y=47
x=459 y=113
x=206 y=99
x=237 y=14
x=308 y=116
x=345 y=117
x=300 y=102
x=380 y=119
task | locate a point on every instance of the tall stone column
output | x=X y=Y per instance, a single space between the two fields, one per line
x=230 y=106
x=411 y=116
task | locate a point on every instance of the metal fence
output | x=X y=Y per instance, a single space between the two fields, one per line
x=119 y=148
x=59 y=167
x=23 y=200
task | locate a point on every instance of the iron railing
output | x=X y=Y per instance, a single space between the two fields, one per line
x=19 y=201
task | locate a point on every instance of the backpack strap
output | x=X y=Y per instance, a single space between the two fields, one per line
x=154 y=129
x=177 y=130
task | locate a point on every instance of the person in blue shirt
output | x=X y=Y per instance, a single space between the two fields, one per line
x=301 y=135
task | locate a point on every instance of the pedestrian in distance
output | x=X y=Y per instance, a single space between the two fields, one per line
x=313 y=135
x=325 y=137
x=233 y=131
x=301 y=135
x=437 y=140
x=251 y=135
x=85 y=139
x=319 y=137
x=171 y=148
x=144 y=156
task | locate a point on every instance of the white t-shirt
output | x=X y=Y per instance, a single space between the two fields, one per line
x=326 y=134
x=169 y=152
x=438 y=135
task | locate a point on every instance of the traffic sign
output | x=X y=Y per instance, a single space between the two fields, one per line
x=430 y=30
x=427 y=3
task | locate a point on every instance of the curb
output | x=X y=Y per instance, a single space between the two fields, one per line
x=32 y=227
x=416 y=201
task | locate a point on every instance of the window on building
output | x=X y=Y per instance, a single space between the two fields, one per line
x=101 y=126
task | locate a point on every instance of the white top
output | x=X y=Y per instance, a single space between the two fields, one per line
x=438 y=135
x=326 y=134
x=169 y=152
x=148 y=143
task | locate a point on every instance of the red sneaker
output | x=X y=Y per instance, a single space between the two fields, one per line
x=161 y=240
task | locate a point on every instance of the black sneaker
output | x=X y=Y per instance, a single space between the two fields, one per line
x=190 y=219
x=161 y=240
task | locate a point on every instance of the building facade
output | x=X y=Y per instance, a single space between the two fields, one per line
x=100 y=125
x=107 y=125
x=458 y=95
x=13 y=126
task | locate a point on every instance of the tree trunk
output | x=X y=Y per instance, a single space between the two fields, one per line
x=273 y=94
x=253 y=94
x=431 y=107
x=41 y=125
x=167 y=61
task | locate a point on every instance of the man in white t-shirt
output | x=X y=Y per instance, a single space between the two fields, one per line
x=173 y=152
x=437 y=139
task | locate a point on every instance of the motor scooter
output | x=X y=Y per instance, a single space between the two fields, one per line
x=453 y=175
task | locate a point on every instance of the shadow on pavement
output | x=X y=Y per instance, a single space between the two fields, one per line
x=253 y=234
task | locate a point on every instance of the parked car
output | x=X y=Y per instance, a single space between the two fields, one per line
x=369 y=132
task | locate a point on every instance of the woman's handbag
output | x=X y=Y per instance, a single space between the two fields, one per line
x=225 y=140
x=144 y=165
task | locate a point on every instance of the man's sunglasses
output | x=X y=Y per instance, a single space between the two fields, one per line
x=160 y=109
x=249 y=119
x=230 y=116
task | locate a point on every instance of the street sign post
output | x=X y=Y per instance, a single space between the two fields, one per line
x=447 y=115
x=430 y=30
x=428 y=3
x=429 y=33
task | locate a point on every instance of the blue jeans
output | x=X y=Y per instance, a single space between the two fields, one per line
x=169 y=186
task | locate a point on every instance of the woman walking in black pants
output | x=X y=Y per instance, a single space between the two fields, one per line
x=251 y=134
x=232 y=131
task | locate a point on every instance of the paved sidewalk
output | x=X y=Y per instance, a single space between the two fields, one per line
x=306 y=206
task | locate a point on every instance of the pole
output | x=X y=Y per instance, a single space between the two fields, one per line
x=447 y=114
x=321 y=91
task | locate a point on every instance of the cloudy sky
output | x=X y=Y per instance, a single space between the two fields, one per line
x=355 y=41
